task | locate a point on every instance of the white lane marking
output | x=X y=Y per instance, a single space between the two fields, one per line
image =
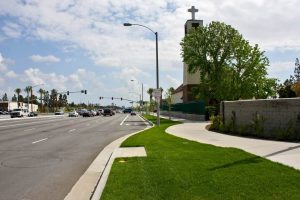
x=127 y=124
x=29 y=129
x=71 y=130
x=39 y=140
x=124 y=120
x=27 y=123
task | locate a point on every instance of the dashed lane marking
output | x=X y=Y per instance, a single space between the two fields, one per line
x=29 y=129
x=39 y=140
x=70 y=131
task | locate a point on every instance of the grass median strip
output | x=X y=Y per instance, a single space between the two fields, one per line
x=180 y=169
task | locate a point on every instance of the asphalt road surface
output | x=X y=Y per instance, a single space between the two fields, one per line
x=42 y=158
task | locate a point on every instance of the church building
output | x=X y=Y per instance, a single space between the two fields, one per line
x=183 y=93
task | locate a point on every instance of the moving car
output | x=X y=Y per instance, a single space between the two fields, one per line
x=32 y=114
x=59 y=113
x=107 y=112
x=127 y=110
x=132 y=113
x=73 y=114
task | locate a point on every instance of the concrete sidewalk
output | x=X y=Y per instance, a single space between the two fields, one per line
x=287 y=153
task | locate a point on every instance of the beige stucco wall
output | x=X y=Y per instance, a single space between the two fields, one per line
x=190 y=78
x=277 y=113
x=176 y=98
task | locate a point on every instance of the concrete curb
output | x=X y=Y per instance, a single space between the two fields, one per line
x=92 y=182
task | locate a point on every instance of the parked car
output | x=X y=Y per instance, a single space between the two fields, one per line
x=59 y=113
x=94 y=113
x=107 y=112
x=32 y=114
x=73 y=114
x=81 y=111
x=87 y=114
x=19 y=112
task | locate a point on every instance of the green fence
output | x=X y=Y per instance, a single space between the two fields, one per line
x=195 y=107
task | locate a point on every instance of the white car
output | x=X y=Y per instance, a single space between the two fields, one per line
x=19 y=112
x=73 y=114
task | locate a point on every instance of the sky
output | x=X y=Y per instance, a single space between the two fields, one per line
x=74 y=45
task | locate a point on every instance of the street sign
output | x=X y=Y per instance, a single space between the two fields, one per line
x=156 y=93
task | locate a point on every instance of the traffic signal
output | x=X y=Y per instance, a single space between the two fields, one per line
x=84 y=91
x=68 y=92
x=121 y=99
x=112 y=98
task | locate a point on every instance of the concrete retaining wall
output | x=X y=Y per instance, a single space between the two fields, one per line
x=278 y=114
x=184 y=115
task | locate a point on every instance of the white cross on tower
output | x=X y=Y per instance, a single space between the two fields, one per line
x=193 y=10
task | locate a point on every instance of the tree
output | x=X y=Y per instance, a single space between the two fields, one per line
x=14 y=98
x=285 y=89
x=5 y=98
x=18 y=91
x=53 y=99
x=150 y=91
x=41 y=91
x=230 y=68
x=28 y=91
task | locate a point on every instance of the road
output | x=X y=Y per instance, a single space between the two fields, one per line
x=42 y=158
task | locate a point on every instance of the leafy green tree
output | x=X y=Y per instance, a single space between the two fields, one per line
x=230 y=68
x=285 y=89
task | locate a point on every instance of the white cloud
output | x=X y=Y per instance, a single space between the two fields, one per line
x=11 y=74
x=12 y=30
x=281 y=69
x=49 y=58
x=2 y=65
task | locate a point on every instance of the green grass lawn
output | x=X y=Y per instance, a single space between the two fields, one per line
x=176 y=168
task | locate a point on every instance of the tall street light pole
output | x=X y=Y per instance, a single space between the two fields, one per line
x=157 y=74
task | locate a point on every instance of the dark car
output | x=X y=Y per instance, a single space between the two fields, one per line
x=107 y=112
x=132 y=113
x=127 y=110
x=87 y=114
x=32 y=114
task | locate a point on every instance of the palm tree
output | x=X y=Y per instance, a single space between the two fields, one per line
x=18 y=91
x=41 y=91
x=150 y=91
x=28 y=90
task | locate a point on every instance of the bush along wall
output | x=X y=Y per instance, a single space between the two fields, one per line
x=255 y=128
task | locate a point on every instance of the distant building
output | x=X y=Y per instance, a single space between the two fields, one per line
x=183 y=93
x=10 y=105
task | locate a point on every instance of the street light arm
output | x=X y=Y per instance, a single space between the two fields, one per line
x=129 y=24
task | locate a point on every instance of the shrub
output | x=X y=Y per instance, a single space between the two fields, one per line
x=258 y=124
x=210 y=111
x=217 y=122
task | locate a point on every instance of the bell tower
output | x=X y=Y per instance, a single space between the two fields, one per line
x=190 y=80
